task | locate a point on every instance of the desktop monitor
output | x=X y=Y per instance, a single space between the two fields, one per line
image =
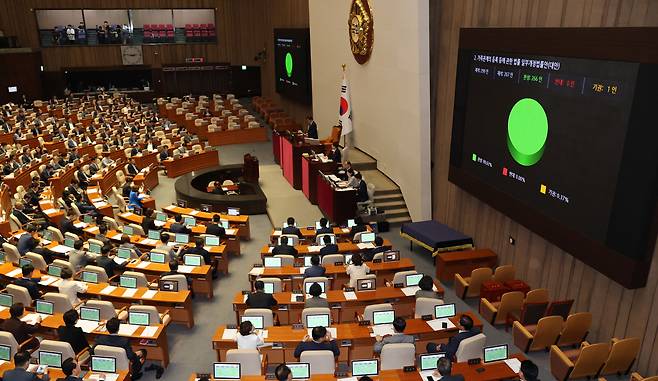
x=365 y=368
x=391 y=256
x=22 y=262
x=225 y=224
x=54 y=270
x=367 y=284
x=351 y=223
x=307 y=261
x=307 y=286
x=300 y=370
x=159 y=216
x=189 y=221
x=128 y=230
x=212 y=240
x=233 y=211
x=139 y=318
x=318 y=226
x=90 y=313
x=5 y=352
x=268 y=287
x=206 y=208
x=182 y=238
x=44 y=307
x=412 y=280
x=6 y=300
x=52 y=359
x=495 y=353
x=257 y=321
x=102 y=364
x=69 y=242
x=154 y=234
x=445 y=311
x=124 y=253
x=226 y=371
x=168 y=285
x=94 y=248
x=156 y=257
x=90 y=277
x=87 y=219
x=192 y=260
x=348 y=259
x=428 y=361
x=367 y=237
x=383 y=317
x=272 y=262
x=181 y=203
x=128 y=281
x=317 y=320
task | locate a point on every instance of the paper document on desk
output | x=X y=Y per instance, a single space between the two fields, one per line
x=229 y=334
x=50 y=211
x=149 y=294
x=149 y=332
x=244 y=298
x=314 y=249
x=81 y=225
x=119 y=261
x=364 y=246
x=194 y=212
x=61 y=249
x=19 y=235
x=333 y=178
x=514 y=364
x=92 y=230
x=170 y=207
x=437 y=324
x=348 y=379
x=270 y=249
x=184 y=269
x=103 y=376
x=231 y=231
x=48 y=280
x=302 y=269
x=129 y=292
x=126 y=214
x=426 y=373
x=349 y=295
x=410 y=291
x=143 y=264
x=127 y=329
x=30 y=319
x=256 y=271
x=14 y=273
x=148 y=241
x=87 y=326
x=100 y=204
x=263 y=333
x=108 y=290
x=331 y=330
x=97 y=199
x=382 y=330
x=345 y=230
x=276 y=233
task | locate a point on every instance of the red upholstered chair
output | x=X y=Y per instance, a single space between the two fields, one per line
x=169 y=27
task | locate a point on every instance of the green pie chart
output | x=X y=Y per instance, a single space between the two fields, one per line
x=289 y=64
x=527 y=130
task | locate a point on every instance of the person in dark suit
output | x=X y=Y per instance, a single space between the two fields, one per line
x=199 y=250
x=529 y=371
x=178 y=226
x=148 y=222
x=19 y=213
x=20 y=373
x=215 y=228
x=450 y=349
x=114 y=340
x=334 y=154
x=329 y=248
x=21 y=330
x=379 y=248
x=30 y=283
x=361 y=189
x=324 y=227
x=283 y=373
x=320 y=340
x=315 y=269
x=312 y=128
x=108 y=263
x=71 y=370
x=358 y=227
x=260 y=299
x=284 y=248
x=68 y=224
x=444 y=370
x=292 y=229
x=71 y=334
x=131 y=167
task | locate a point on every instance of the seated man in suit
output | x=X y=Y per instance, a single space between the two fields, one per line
x=320 y=340
x=68 y=224
x=329 y=248
x=148 y=220
x=399 y=324
x=260 y=299
x=358 y=227
x=21 y=331
x=131 y=167
x=71 y=370
x=284 y=248
x=215 y=228
x=107 y=262
x=361 y=189
x=444 y=370
x=30 y=283
x=178 y=226
x=20 y=213
x=315 y=269
x=324 y=227
x=71 y=334
x=292 y=229
x=379 y=248
x=334 y=154
x=20 y=373
x=198 y=249
x=282 y=373
x=529 y=371
x=450 y=349
x=312 y=128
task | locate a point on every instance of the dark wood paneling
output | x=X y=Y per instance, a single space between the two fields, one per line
x=22 y=70
x=617 y=312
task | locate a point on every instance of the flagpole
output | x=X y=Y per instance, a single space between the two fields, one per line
x=344 y=136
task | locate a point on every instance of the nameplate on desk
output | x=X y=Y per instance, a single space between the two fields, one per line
x=409 y=368
x=277 y=346
x=427 y=317
x=349 y=289
x=377 y=260
x=258 y=265
x=398 y=285
x=231 y=326
x=298 y=265
x=296 y=292
x=364 y=322
x=473 y=361
x=339 y=263
x=298 y=326
x=346 y=343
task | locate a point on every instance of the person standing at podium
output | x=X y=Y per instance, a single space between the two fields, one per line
x=334 y=154
x=311 y=128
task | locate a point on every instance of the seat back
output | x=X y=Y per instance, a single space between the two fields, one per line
x=590 y=360
x=102 y=275
x=314 y=311
x=106 y=308
x=37 y=261
x=538 y=295
x=622 y=356
x=504 y=273
x=425 y=306
x=249 y=360
x=478 y=276
x=277 y=284
x=532 y=312
x=547 y=332
x=575 y=329
x=266 y=313
x=318 y=279
x=322 y=362
x=141 y=278
x=111 y=223
x=57 y=346
x=397 y=355
x=286 y=260
x=60 y=302
x=471 y=348
x=510 y=302
x=560 y=308
x=332 y=259
x=11 y=253
x=368 y=311
x=20 y=294
x=57 y=234
x=16 y=222
x=137 y=229
x=154 y=315
x=71 y=235
x=400 y=276
x=64 y=264
x=7 y=338
x=181 y=279
x=118 y=353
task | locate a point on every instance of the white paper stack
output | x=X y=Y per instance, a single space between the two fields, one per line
x=437 y=324
x=364 y=246
x=276 y=233
x=148 y=242
x=382 y=330
x=87 y=325
x=143 y=264
x=61 y=249
x=81 y=225
x=410 y=291
x=231 y=231
x=129 y=292
x=514 y=364
x=229 y=334
x=149 y=331
x=302 y=269
x=108 y=290
x=159 y=223
x=349 y=295
x=48 y=280
x=149 y=294
x=30 y=319
x=256 y=271
x=127 y=329
x=14 y=273
x=314 y=249
x=184 y=269
x=119 y=261
x=49 y=211
x=194 y=212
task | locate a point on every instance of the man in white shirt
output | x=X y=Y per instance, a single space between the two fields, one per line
x=71 y=288
x=247 y=338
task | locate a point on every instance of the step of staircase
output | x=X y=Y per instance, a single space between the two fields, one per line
x=399 y=212
x=379 y=198
x=390 y=205
x=398 y=221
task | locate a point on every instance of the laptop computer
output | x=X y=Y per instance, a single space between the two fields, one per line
x=383 y=317
x=364 y=368
x=494 y=353
x=103 y=364
x=226 y=371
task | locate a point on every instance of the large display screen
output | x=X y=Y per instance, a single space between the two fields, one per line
x=560 y=144
x=292 y=62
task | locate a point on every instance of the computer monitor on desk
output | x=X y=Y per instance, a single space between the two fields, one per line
x=367 y=237
x=318 y=320
x=428 y=361
x=383 y=317
x=444 y=311
x=367 y=284
x=226 y=371
x=272 y=262
x=257 y=321
x=103 y=364
x=361 y=368
x=300 y=370
x=495 y=353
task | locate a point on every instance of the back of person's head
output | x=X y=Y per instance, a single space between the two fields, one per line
x=112 y=325
x=466 y=322
x=21 y=359
x=31 y=228
x=358 y=175
x=105 y=250
x=102 y=228
x=318 y=332
x=125 y=238
x=315 y=260
x=426 y=283
x=148 y=212
x=198 y=242
x=290 y=221
x=66 y=273
x=323 y=222
x=27 y=270
x=164 y=238
x=68 y=366
x=357 y=260
x=315 y=289
x=259 y=285
x=178 y=218
x=284 y=240
x=282 y=372
x=444 y=366
x=70 y=317
x=399 y=324
x=358 y=220
x=530 y=370
x=16 y=310
x=216 y=218
x=246 y=327
x=326 y=239
x=173 y=266
x=78 y=244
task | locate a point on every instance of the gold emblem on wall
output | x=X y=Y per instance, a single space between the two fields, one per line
x=361 y=31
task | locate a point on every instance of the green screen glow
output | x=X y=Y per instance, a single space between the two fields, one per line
x=527 y=130
x=289 y=64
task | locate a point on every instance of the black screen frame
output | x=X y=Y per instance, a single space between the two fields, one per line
x=305 y=94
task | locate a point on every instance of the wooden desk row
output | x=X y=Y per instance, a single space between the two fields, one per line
x=309 y=233
x=183 y=165
x=343 y=248
x=56 y=374
x=241 y=221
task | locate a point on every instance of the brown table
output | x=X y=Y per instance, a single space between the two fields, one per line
x=237 y=136
x=337 y=205
x=463 y=262
x=310 y=168
x=183 y=165
x=144 y=160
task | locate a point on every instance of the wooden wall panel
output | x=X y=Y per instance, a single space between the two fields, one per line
x=618 y=312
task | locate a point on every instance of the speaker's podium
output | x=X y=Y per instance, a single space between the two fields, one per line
x=311 y=166
x=290 y=149
x=336 y=203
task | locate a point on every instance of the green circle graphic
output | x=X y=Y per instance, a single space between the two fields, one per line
x=527 y=130
x=289 y=64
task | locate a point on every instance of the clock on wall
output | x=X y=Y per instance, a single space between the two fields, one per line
x=360 y=30
x=132 y=55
